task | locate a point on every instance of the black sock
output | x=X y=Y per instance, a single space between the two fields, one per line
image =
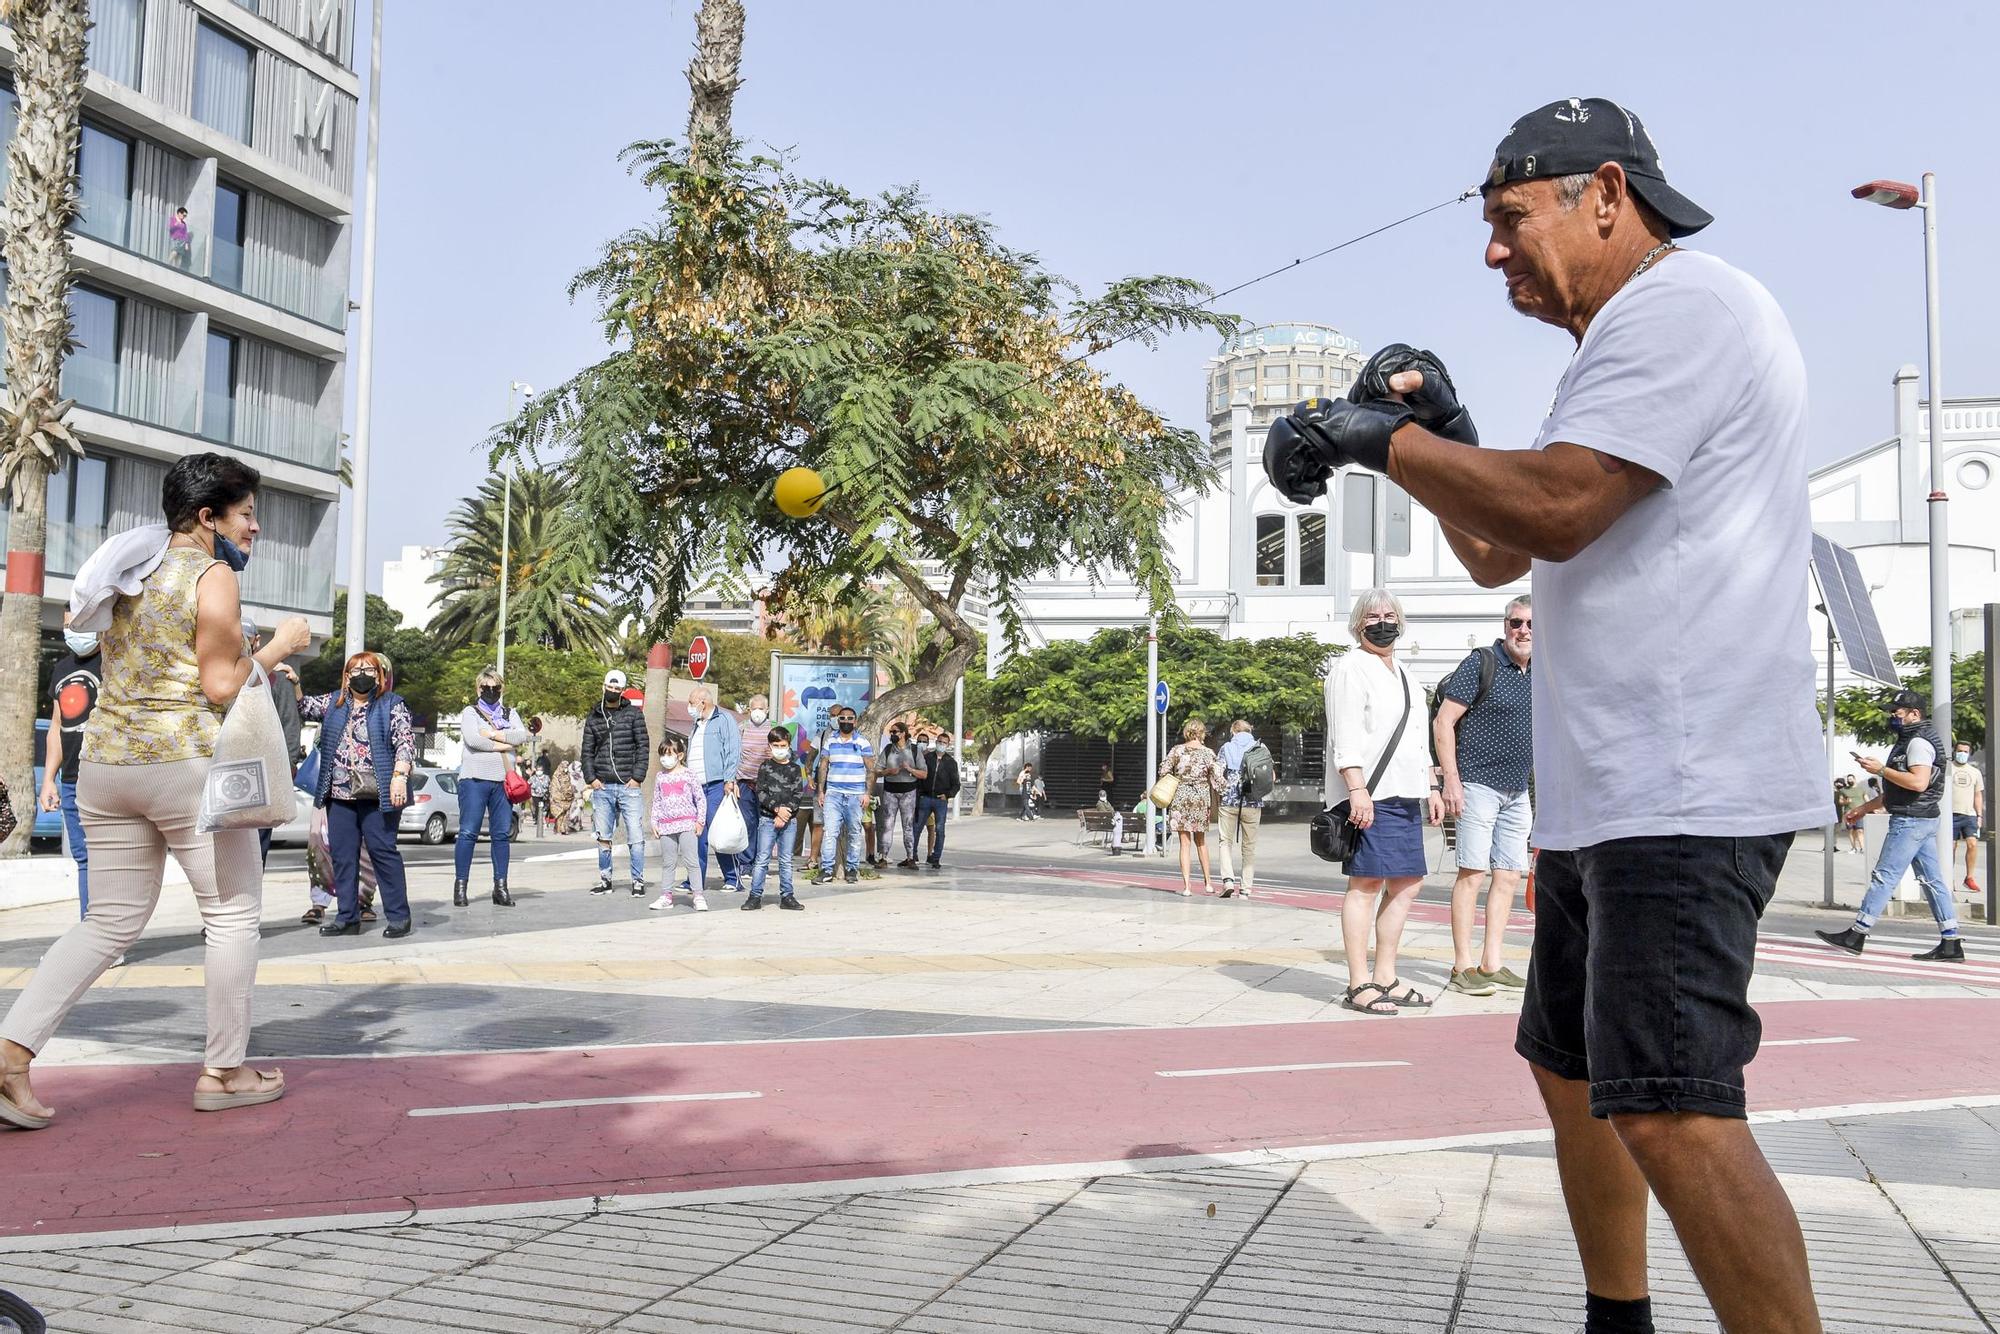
x=1601 y=1315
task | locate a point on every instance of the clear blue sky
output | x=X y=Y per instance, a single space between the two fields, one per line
x=1168 y=136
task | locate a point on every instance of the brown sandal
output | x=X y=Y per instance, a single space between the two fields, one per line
x=314 y=916
x=270 y=1088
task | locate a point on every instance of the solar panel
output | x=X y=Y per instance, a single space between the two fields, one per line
x=1845 y=593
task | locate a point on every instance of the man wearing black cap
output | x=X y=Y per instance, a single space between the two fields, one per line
x=1664 y=499
x=1913 y=782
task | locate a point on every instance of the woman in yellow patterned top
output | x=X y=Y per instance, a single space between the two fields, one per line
x=173 y=662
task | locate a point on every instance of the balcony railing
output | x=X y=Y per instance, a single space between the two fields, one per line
x=309 y=295
x=184 y=405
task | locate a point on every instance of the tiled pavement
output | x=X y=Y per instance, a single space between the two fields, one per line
x=1898 y=1211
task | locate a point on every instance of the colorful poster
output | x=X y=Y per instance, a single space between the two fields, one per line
x=805 y=690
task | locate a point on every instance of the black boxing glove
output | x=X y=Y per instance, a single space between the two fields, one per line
x=1435 y=406
x=1323 y=434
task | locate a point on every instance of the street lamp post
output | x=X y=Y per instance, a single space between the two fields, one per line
x=1899 y=195
x=507 y=530
x=364 y=380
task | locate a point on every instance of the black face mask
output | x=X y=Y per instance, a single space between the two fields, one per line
x=362 y=683
x=612 y=699
x=846 y=725
x=1382 y=633
x=491 y=694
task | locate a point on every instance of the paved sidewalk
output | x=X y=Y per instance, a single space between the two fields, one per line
x=1899 y=1214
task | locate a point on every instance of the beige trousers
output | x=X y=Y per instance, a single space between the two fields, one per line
x=132 y=815
x=1238 y=825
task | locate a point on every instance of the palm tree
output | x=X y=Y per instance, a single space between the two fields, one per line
x=547 y=602
x=713 y=76
x=35 y=441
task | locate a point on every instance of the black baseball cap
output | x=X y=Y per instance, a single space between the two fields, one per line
x=1910 y=699
x=1580 y=134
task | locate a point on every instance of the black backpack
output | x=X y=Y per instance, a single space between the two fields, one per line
x=1259 y=773
x=1489 y=663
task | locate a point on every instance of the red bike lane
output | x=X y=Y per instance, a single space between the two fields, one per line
x=440 y=1132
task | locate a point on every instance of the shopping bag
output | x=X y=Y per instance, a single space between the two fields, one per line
x=249 y=784
x=727 y=833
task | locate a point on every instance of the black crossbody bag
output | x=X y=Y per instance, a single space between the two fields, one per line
x=1334 y=836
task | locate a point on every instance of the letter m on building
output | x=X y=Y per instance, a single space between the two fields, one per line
x=312 y=117
x=321 y=28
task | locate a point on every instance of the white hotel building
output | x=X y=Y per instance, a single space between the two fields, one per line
x=243 y=112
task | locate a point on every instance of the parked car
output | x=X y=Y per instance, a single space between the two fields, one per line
x=432 y=814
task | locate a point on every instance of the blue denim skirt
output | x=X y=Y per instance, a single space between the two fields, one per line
x=1392 y=847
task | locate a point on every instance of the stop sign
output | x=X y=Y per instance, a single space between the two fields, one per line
x=698 y=657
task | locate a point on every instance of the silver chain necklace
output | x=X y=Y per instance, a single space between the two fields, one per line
x=1647 y=263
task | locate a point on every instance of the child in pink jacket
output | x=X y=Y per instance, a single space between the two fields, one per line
x=678 y=805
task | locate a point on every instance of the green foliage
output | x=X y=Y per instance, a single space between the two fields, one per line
x=549 y=601
x=539 y=680
x=1097 y=687
x=739 y=665
x=380 y=623
x=923 y=368
x=1864 y=710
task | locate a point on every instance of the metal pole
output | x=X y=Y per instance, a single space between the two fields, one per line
x=1379 y=528
x=1833 y=830
x=357 y=537
x=1152 y=734
x=1940 y=546
x=1992 y=757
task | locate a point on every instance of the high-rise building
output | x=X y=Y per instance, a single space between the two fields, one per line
x=211 y=255
x=410 y=585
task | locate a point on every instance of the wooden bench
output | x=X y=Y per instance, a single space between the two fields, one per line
x=1093 y=826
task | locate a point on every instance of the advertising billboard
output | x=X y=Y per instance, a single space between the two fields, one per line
x=805 y=690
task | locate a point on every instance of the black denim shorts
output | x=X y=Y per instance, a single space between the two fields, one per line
x=1641 y=969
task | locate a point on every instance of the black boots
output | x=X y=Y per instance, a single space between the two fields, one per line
x=500 y=894
x=1850 y=940
x=1948 y=950
x=458 y=899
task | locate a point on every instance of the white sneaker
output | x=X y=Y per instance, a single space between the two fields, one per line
x=661 y=904
x=701 y=903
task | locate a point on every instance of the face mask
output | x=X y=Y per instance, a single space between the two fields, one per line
x=781 y=753
x=670 y=761
x=612 y=699
x=758 y=716
x=1382 y=633
x=1963 y=757
x=491 y=694
x=229 y=553
x=362 y=683
x=80 y=644
x=846 y=725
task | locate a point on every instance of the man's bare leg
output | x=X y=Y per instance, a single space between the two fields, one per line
x=1499 y=907
x=1464 y=908
x=1603 y=1189
x=1733 y=1217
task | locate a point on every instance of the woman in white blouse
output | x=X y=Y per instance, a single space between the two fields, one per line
x=1367 y=693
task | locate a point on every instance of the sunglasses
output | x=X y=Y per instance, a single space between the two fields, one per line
x=1520 y=623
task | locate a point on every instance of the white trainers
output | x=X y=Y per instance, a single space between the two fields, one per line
x=701 y=903
x=661 y=904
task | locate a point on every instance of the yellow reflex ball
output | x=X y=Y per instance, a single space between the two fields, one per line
x=799 y=492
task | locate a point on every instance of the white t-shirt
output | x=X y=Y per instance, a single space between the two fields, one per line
x=1364 y=699
x=1673 y=673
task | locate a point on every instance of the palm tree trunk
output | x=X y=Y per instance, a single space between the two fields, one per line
x=713 y=76
x=49 y=36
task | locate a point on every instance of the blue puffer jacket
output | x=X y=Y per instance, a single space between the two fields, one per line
x=381 y=750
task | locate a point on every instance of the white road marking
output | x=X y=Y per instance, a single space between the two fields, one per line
x=1807 y=1042
x=578 y=1102
x=1276 y=1069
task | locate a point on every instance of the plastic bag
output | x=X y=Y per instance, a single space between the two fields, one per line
x=249 y=784
x=727 y=833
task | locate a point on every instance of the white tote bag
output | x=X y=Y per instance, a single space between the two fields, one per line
x=250 y=779
x=726 y=832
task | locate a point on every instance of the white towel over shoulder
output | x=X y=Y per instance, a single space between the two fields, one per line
x=115 y=569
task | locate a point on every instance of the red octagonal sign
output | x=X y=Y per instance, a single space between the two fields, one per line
x=698 y=657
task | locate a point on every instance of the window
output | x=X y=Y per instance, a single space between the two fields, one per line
x=229 y=211
x=1245 y=374
x=1312 y=551
x=1270 y=551
x=218 y=388
x=117 y=29
x=1310 y=374
x=222 y=82
x=1278 y=392
x=104 y=179
x=90 y=373
x=1277 y=370
x=79 y=494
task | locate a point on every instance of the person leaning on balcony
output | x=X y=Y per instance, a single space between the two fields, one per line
x=180 y=243
x=172 y=658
